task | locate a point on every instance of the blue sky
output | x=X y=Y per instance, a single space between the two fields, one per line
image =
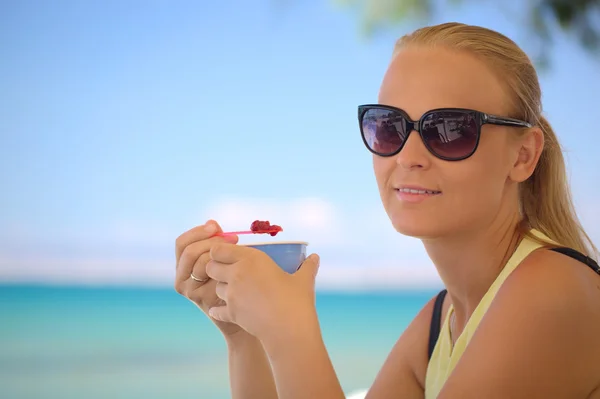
x=123 y=124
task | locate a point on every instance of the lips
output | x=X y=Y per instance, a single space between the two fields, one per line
x=415 y=195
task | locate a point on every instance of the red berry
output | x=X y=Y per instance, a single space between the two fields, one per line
x=275 y=229
x=259 y=226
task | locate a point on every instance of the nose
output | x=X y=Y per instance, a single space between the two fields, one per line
x=414 y=154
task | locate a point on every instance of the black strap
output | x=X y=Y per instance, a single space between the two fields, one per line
x=578 y=256
x=436 y=316
x=436 y=321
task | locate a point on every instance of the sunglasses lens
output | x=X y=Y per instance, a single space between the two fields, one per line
x=450 y=134
x=384 y=131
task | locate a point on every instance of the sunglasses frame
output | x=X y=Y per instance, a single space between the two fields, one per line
x=481 y=118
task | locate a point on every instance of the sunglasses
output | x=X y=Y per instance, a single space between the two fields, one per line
x=451 y=134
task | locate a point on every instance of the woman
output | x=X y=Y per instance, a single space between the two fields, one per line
x=465 y=161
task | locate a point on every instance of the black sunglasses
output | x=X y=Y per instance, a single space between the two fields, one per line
x=451 y=134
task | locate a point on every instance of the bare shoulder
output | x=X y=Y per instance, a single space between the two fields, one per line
x=539 y=338
x=403 y=373
x=548 y=281
x=554 y=270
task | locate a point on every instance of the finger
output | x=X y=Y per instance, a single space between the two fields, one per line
x=202 y=294
x=221 y=313
x=218 y=271
x=309 y=268
x=198 y=233
x=191 y=255
x=199 y=268
x=196 y=291
x=221 y=290
x=229 y=253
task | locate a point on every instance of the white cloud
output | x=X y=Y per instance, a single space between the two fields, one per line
x=358 y=246
x=380 y=277
x=116 y=236
x=308 y=219
x=86 y=271
x=130 y=232
x=363 y=228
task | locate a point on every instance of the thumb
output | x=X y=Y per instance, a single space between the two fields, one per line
x=220 y=313
x=309 y=268
x=213 y=227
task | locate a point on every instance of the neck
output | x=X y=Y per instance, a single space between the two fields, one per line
x=469 y=263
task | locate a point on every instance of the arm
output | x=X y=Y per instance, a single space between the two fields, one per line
x=250 y=373
x=538 y=339
x=304 y=370
x=301 y=365
x=403 y=373
x=249 y=370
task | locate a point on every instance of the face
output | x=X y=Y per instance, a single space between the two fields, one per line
x=460 y=195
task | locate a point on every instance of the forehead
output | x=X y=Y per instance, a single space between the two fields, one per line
x=420 y=79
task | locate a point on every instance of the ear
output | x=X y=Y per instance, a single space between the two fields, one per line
x=528 y=149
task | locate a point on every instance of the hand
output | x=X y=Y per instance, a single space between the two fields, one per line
x=192 y=250
x=259 y=296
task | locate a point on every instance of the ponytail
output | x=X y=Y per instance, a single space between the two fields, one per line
x=546 y=201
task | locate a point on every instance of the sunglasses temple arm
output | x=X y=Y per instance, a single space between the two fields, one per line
x=496 y=120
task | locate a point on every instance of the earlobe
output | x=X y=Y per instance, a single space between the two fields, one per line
x=530 y=147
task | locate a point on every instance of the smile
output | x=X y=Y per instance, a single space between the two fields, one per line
x=416 y=191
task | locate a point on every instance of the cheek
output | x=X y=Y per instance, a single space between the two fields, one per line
x=471 y=183
x=475 y=189
x=486 y=171
x=383 y=167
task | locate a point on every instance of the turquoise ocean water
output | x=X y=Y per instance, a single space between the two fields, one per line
x=69 y=342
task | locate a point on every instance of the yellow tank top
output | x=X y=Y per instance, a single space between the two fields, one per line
x=444 y=356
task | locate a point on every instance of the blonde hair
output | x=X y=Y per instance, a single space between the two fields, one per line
x=545 y=198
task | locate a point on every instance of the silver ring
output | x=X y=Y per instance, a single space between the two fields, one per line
x=200 y=280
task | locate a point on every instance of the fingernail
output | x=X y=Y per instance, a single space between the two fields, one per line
x=210 y=227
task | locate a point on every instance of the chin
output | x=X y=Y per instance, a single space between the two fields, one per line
x=416 y=230
x=416 y=223
x=431 y=225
